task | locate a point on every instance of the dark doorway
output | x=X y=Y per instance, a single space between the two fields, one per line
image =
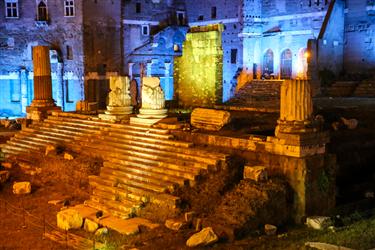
x=286 y=64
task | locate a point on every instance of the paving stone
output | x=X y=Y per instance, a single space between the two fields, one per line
x=270 y=229
x=69 y=219
x=175 y=224
x=318 y=222
x=4 y=176
x=204 y=238
x=90 y=226
x=22 y=187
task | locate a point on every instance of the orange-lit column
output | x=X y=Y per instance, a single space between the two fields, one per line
x=42 y=102
x=296 y=107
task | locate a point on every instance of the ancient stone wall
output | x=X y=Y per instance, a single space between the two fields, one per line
x=359 y=48
x=103 y=36
x=227 y=12
x=18 y=36
x=198 y=73
x=331 y=39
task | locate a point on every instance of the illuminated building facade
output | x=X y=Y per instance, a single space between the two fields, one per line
x=92 y=40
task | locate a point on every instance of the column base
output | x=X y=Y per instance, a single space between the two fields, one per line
x=40 y=113
x=148 y=117
x=116 y=114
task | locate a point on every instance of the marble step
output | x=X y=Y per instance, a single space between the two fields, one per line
x=126 y=145
x=167 y=175
x=149 y=182
x=26 y=144
x=98 y=123
x=124 y=133
x=133 y=192
x=166 y=145
x=142 y=162
x=182 y=172
x=154 y=159
x=108 y=209
x=143 y=140
x=123 y=200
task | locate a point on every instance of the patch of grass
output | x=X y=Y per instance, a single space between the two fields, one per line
x=359 y=235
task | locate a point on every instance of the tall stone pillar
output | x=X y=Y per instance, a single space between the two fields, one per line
x=130 y=69
x=296 y=108
x=60 y=85
x=168 y=87
x=148 y=70
x=43 y=101
x=24 y=95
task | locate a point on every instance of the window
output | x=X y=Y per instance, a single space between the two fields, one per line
x=69 y=52
x=11 y=8
x=213 y=12
x=200 y=18
x=180 y=17
x=138 y=8
x=145 y=30
x=233 y=56
x=69 y=7
x=42 y=11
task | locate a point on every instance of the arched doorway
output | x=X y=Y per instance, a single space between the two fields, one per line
x=268 y=62
x=286 y=64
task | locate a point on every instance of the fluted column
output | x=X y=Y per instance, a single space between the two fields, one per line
x=42 y=78
x=42 y=102
x=296 y=107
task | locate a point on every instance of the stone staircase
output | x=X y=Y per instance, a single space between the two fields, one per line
x=365 y=89
x=258 y=93
x=341 y=89
x=141 y=164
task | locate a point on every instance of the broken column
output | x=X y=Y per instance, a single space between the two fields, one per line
x=308 y=165
x=153 y=103
x=119 y=100
x=42 y=102
x=296 y=108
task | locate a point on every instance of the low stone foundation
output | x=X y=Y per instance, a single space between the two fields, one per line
x=309 y=171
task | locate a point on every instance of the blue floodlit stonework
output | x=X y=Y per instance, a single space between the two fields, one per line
x=92 y=40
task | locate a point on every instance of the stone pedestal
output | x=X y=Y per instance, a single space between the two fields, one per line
x=153 y=103
x=43 y=102
x=119 y=101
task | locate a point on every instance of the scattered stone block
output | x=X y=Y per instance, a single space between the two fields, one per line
x=189 y=216
x=256 y=173
x=7 y=165
x=209 y=119
x=350 y=123
x=69 y=219
x=198 y=224
x=85 y=106
x=50 y=149
x=55 y=202
x=4 y=176
x=90 y=226
x=270 y=229
x=204 y=238
x=24 y=166
x=325 y=246
x=101 y=231
x=318 y=222
x=22 y=187
x=68 y=156
x=175 y=224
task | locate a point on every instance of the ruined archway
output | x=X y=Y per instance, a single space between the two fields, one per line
x=286 y=64
x=268 y=62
